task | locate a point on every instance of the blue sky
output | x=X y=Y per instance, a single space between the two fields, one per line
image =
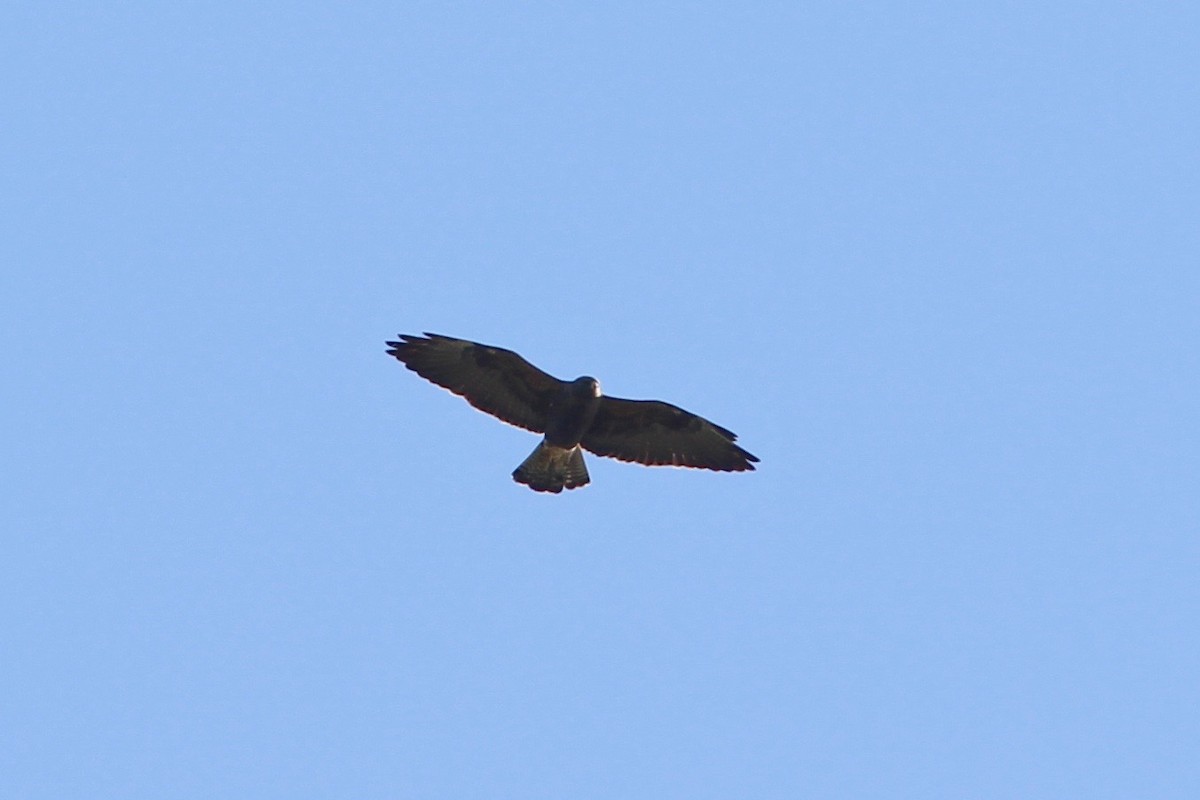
x=935 y=263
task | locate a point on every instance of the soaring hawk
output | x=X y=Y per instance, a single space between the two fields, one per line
x=571 y=414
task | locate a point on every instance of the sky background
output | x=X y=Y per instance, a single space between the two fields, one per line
x=938 y=264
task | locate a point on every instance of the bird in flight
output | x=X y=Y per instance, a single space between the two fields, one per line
x=571 y=414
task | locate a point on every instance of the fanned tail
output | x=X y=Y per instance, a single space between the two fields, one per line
x=552 y=469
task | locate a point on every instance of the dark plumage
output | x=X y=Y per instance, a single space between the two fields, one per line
x=571 y=414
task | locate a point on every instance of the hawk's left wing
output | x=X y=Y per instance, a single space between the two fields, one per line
x=655 y=433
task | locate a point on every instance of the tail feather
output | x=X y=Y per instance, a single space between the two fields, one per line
x=552 y=469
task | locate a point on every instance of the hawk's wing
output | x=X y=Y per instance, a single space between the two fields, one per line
x=655 y=433
x=492 y=379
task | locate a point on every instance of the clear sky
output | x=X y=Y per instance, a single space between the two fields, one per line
x=938 y=264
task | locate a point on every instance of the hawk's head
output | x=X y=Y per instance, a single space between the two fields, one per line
x=585 y=386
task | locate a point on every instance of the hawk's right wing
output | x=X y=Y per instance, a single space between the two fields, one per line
x=492 y=379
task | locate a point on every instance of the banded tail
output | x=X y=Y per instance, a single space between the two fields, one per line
x=552 y=469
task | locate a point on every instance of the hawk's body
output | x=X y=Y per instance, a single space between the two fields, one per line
x=572 y=415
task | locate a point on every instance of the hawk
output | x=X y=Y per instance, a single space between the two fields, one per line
x=571 y=414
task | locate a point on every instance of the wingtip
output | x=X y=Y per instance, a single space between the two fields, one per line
x=402 y=342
